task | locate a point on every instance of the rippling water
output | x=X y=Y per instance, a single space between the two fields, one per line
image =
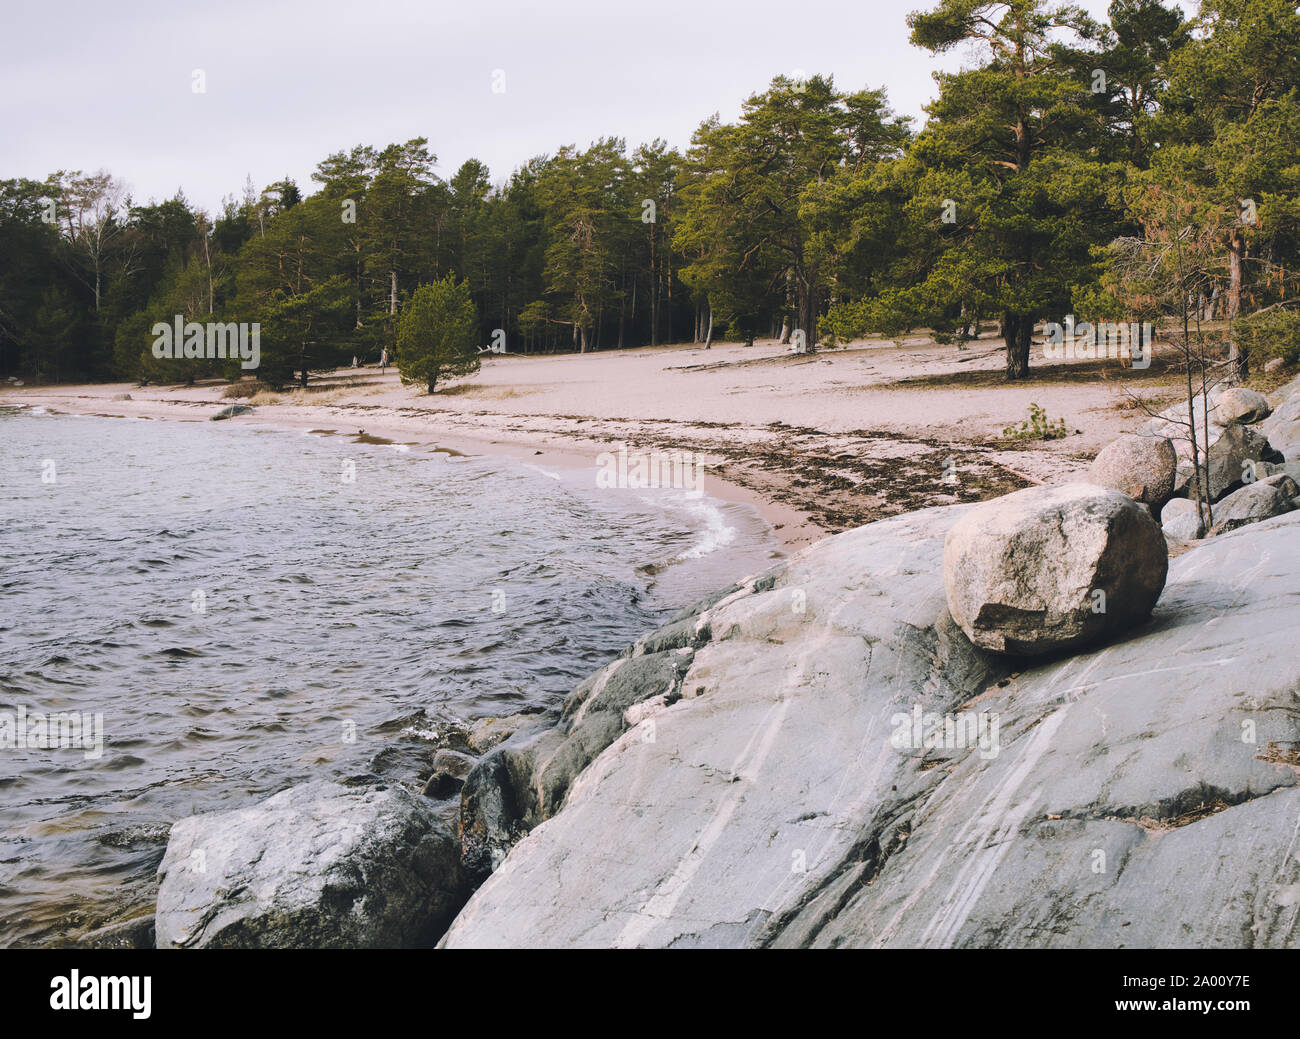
x=235 y=608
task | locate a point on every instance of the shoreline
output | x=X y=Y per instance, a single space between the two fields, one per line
x=826 y=563
x=406 y=757
x=792 y=528
x=817 y=444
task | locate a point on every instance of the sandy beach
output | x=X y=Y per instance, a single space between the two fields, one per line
x=818 y=443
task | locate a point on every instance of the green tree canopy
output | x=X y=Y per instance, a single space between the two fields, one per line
x=437 y=333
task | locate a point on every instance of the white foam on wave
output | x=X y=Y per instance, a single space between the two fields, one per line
x=706 y=520
x=717 y=532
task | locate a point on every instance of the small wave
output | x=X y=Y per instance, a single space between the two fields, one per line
x=718 y=533
x=709 y=523
x=122 y=761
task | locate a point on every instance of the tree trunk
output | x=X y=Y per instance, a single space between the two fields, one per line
x=708 y=339
x=810 y=319
x=1017 y=330
x=1238 y=355
x=207 y=255
x=1236 y=253
x=622 y=314
x=392 y=292
x=654 y=292
x=1238 y=362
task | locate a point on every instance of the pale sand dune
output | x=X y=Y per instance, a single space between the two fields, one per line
x=820 y=443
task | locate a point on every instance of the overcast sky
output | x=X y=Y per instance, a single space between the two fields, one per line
x=90 y=85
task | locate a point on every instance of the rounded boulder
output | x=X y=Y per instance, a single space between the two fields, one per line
x=1049 y=568
x=1143 y=467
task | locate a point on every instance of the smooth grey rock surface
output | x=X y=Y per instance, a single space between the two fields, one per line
x=768 y=745
x=1172 y=422
x=316 y=866
x=1140 y=794
x=526 y=779
x=1049 y=568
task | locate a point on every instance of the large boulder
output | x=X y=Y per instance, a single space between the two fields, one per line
x=1283 y=426
x=1179 y=519
x=316 y=866
x=1257 y=501
x=1143 y=467
x=1049 y=568
x=1292 y=469
x=1229 y=407
x=1234 y=459
x=1239 y=405
x=1142 y=794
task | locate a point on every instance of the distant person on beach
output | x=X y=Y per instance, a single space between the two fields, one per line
x=383 y=360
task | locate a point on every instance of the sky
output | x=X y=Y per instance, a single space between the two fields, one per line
x=89 y=86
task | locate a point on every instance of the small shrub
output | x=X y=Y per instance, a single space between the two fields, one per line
x=1036 y=427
